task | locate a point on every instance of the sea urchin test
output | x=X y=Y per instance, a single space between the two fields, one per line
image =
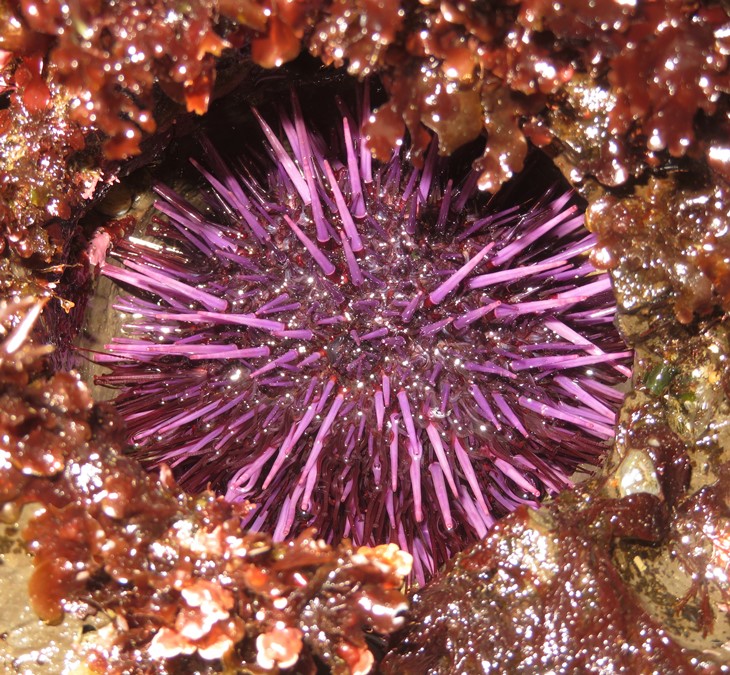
x=362 y=348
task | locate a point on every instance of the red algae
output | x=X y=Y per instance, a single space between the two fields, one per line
x=546 y=598
x=39 y=183
x=110 y=56
x=524 y=54
x=458 y=70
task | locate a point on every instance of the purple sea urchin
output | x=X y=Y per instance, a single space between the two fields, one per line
x=359 y=348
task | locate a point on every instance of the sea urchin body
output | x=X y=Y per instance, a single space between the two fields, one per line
x=359 y=348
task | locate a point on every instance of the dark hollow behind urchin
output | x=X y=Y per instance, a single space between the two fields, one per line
x=364 y=348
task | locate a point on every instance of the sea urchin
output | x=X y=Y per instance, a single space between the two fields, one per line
x=358 y=347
